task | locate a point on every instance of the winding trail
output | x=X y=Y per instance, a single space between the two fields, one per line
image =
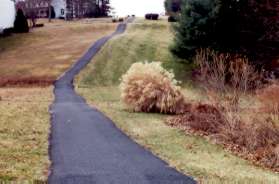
x=87 y=148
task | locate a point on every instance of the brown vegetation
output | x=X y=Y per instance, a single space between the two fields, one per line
x=225 y=77
x=256 y=140
x=269 y=97
x=27 y=81
x=226 y=80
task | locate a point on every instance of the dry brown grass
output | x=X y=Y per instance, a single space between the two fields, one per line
x=24 y=128
x=148 y=87
x=269 y=98
x=40 y=56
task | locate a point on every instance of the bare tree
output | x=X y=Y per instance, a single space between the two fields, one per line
x=83 y=8
x=49 y=10
x=35 y=9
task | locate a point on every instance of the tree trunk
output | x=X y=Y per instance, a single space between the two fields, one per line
x=49 y=12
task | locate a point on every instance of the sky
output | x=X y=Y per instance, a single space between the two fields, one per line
x=137 y=7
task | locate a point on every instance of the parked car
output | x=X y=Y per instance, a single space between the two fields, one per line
x=7 y=15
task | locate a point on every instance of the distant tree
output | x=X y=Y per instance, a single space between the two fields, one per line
x=91 y=8
x=103 y=8
x=52 y=14
x=20 y=24
x=32 y=15
x=83 y=8
x=173 y=6
x=32 y=9
x=194 y=28
x=245 y=27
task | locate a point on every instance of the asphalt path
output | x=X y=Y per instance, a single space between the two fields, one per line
x=87 y=148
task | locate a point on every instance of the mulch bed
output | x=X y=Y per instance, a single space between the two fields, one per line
x=26 y=81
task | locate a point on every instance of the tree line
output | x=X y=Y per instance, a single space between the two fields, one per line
x=31 y=9
x=89 y=8
x=74 y=8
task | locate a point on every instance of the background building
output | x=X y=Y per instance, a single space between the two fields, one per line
x=7 y=14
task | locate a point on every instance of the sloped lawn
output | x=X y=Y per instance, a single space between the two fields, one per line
x=39 y=57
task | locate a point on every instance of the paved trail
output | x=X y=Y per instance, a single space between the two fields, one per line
x=87 y=148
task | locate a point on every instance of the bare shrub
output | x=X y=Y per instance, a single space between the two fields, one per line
x=202 y=117
x=243 y=78
x=269 y=97
x=258 y=138
x=264 y=134
x=148 y=87
x=212 y=70
x=225 y=78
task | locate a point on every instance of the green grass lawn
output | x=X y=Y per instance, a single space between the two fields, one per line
x=139 y=44
x=98 y=83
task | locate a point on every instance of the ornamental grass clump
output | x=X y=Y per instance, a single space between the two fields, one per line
x=148 y=87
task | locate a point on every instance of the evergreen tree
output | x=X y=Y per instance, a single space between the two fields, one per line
x=105 y=7
x=52 y=13
x=195 y=27
x=243 y=27
x=21 y=24
x=173 y=6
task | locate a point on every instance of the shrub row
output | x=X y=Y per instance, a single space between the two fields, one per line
x=152 y=16
x=117 y=20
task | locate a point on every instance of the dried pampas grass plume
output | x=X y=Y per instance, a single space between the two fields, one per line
x=148 y=87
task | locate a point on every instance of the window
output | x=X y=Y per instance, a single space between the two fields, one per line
x=62 y=11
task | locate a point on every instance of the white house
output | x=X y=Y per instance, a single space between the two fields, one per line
x=7 y=14
x=59 y=8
